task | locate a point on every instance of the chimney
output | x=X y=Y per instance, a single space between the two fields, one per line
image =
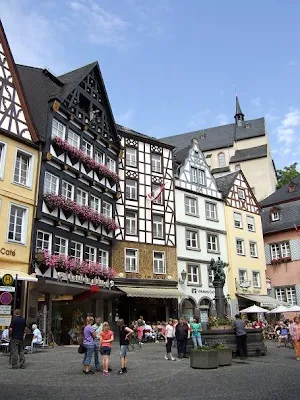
x=292 y=187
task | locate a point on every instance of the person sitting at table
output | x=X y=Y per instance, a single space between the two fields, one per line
x=37 y=336
x=149 y=332
x=5 y=335
x=283 y=334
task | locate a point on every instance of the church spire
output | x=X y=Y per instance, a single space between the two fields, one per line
x=239 y=116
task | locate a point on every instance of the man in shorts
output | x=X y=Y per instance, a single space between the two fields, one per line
x=124 y=333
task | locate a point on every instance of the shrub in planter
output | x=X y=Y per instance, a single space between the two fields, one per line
x=204 y=357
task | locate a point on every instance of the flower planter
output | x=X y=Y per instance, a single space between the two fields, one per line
x=204 y=359
x=39 y=256
x=225 y=356
x=220 y=327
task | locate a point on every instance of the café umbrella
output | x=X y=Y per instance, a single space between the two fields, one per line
x=279 y=310
x=253 y=309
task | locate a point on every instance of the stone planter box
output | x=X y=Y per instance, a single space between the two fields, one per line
x=204 y=359
x=220 y=327
x=225 y=356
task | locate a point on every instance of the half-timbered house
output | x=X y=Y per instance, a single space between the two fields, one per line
x=145 y=251
x=246 y=256
x=75 y=219
x=201 y=232
x=19 y=160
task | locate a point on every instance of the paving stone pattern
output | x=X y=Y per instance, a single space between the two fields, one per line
x=56 y=373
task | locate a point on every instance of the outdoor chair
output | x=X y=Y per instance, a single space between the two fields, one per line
x=27 y=342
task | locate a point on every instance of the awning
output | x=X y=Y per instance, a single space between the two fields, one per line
x=263 y=300
x=152 y=292
x=22 y=276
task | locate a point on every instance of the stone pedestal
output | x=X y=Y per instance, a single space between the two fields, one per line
x=219 y=298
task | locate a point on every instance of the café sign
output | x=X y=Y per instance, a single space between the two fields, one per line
x=7 y=252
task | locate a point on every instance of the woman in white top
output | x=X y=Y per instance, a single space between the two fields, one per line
x=169 y=336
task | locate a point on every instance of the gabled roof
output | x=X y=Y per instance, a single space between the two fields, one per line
x=18 y=84
x=219 y=136
x=226 y=182
x=249 y=154
x=123 y=130
x=182 y=154
x=283 y=195
x=41 y=85
x=289 y=216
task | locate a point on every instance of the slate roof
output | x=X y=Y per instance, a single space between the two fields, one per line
x=283 y=195
x=220 y=169
x=289 y=214
x=182 y=154
x=125 y=130
x=225 y=183
x=40 y=86
x=249 y=154
x=219 y=136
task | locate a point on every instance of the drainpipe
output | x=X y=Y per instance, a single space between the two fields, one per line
x=36 y=193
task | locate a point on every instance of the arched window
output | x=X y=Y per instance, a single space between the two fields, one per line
x=222 y=161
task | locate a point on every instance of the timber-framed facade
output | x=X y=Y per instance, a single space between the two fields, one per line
x=145 y=250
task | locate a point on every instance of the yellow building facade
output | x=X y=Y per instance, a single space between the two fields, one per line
x=19 y=170
x=246 y=276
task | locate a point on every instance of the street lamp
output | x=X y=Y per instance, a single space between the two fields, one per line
x=183 y=277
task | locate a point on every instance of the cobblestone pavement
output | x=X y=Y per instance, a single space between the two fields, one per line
x=56 y=373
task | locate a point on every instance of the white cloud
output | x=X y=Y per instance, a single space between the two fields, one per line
x=198 y=119
x=222 y=119
x=33 y=39
x=125 y=118
x=291 y=63
x=286 y=131
x=101 y=27
x=256 y=102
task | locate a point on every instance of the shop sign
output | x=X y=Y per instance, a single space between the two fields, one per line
x=7 y=252
x=6 y=298
x=203 y=291
x=4 y=320
x=7 y=280
x=7 y=289
x=5 y=308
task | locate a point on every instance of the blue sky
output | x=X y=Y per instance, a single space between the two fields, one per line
x=171 y=66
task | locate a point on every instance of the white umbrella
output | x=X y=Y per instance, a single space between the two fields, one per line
x=254 y=309
x=280 y=309
x=294 y=309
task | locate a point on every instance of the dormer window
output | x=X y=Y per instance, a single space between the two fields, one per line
x=247 y=125
x=222 y=160
x=292 y=187
x=275 y=216
x=241 y=194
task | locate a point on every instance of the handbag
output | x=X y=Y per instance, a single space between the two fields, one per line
x=81 y=349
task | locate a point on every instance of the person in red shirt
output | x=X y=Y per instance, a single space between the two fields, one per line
x=106 y=339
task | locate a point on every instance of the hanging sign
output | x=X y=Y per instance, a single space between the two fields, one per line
x=7 y=280
x=6 y=298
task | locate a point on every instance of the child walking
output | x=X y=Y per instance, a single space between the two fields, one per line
x=106 y=339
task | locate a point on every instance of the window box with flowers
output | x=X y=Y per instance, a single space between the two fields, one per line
x=77 y=155
x=276 y=261
x=83 y=213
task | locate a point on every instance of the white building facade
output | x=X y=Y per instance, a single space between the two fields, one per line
x=200 y=229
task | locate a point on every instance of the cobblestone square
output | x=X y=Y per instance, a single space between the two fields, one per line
x=55 y=373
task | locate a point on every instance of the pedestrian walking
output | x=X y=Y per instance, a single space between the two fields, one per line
x=181 y=334
x=196 y=332
x=106 y=339
x=16 y=330
x=241 y=336
x=89 y=335
x=169 y=337
x=295 y=333
x=124 y=333
x=97 y=328
x=140 y=330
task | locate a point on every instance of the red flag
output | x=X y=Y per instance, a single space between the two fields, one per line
x=156 y=193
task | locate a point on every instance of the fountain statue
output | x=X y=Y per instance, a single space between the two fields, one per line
x=219 y=280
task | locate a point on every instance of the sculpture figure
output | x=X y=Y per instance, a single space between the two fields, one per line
x=218 y=268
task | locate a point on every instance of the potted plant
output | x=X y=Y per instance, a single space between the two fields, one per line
x=224 y=355
x=217 y=323
x=204 y=357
